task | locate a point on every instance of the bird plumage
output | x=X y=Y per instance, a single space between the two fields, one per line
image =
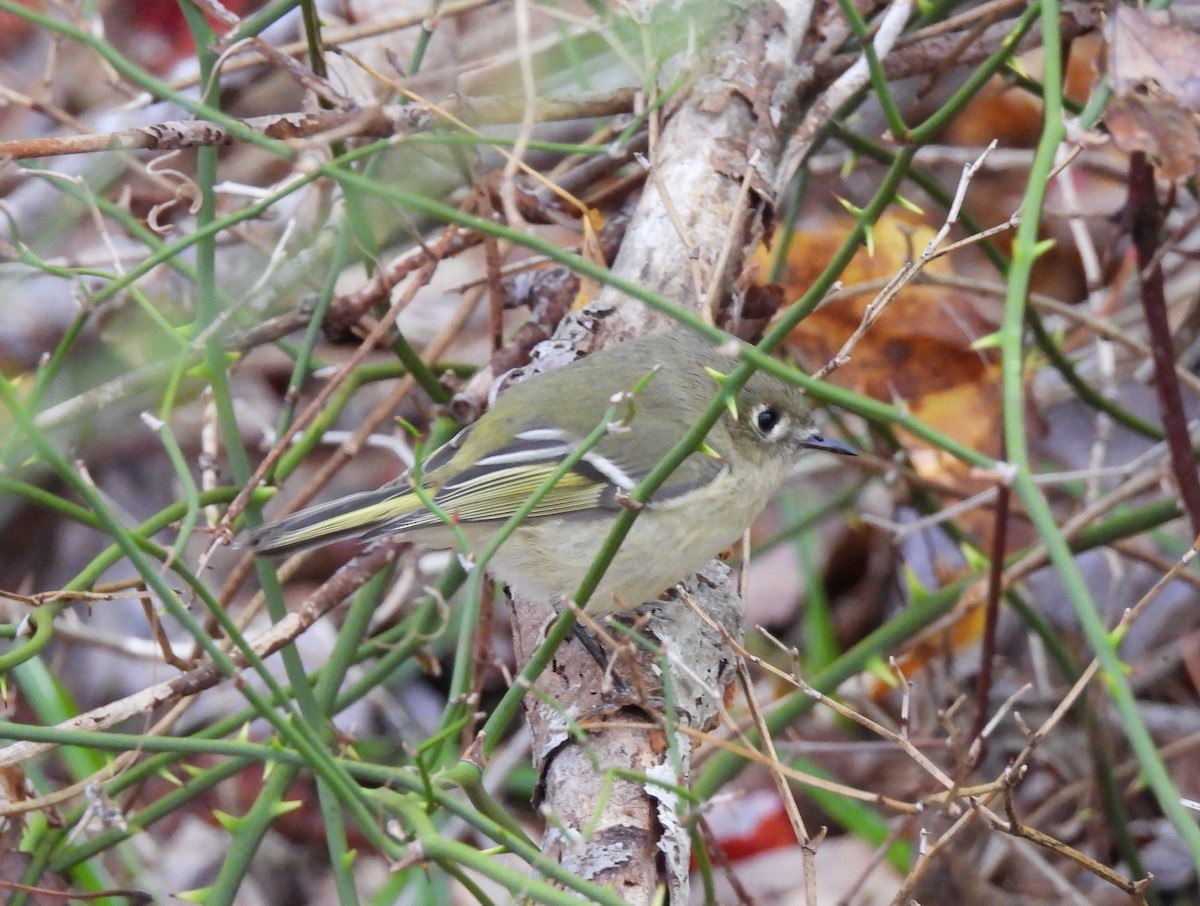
x=489 y=469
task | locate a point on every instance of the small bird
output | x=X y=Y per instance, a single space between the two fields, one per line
x=488 y=470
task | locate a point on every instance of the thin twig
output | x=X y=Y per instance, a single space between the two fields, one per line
x=908 y=271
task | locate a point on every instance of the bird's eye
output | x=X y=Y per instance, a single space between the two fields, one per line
x=766 y=420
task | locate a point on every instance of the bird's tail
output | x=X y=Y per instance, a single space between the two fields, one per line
x=346 y=517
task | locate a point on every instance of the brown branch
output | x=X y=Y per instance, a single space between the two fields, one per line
x=723 y=136
x=1144 y=220
x=343 y=583
x=379 y=121
x=345 y=310
x=987 y=654
x=922 y=52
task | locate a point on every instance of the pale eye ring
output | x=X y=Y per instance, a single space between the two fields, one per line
x=766 y=420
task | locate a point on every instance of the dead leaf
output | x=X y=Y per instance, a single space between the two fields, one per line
x=1154 y=71
x=918 y=351
x=917 y=355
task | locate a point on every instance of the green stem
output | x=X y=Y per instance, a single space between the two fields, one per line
x=1102 y=644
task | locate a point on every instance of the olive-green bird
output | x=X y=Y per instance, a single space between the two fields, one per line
x=489 y=469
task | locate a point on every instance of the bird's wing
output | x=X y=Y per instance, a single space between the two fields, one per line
x=634 y=454
x=499 y=481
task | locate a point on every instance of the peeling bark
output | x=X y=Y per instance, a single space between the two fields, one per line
x=716 y=159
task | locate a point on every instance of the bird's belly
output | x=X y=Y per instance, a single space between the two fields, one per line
x=549 y=557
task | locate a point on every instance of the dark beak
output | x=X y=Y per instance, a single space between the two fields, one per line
x=817 y=442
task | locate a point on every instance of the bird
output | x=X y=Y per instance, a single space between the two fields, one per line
x=480 y=477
